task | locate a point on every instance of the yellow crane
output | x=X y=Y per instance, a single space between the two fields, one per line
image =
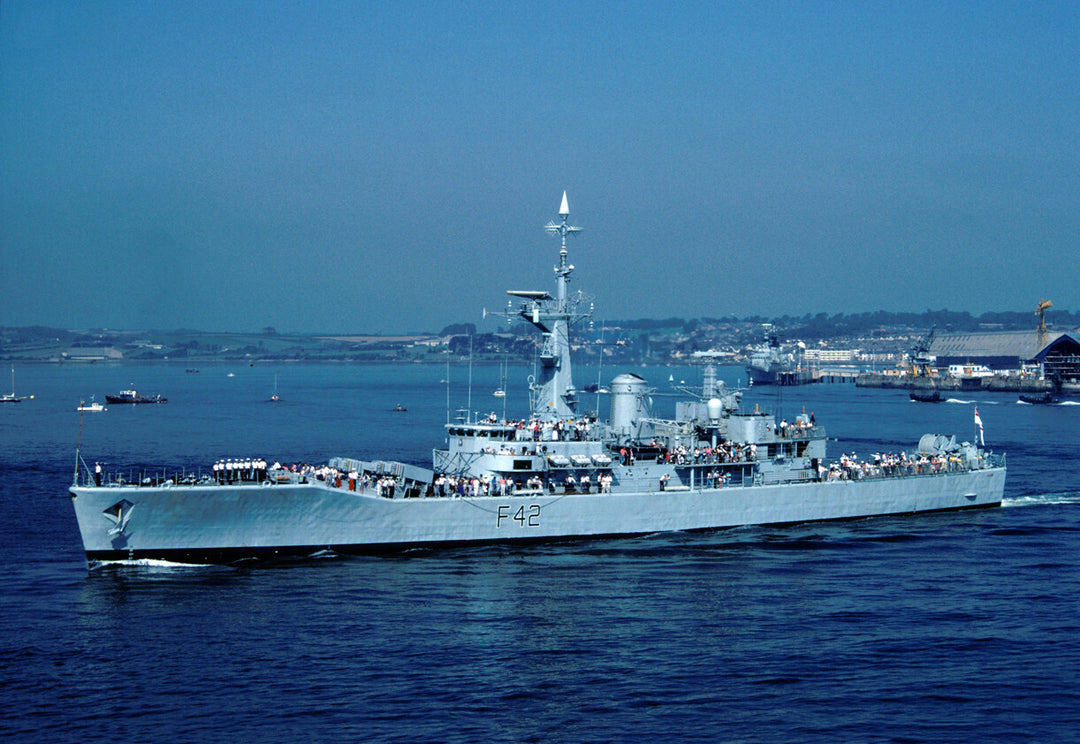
x=1040 y=310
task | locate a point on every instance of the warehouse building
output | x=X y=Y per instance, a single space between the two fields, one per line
x=1058 y=358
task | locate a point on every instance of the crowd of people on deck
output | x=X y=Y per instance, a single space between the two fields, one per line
x=570 y=430
x=504 y=450
x=236 y=470
x=464 y=487
x=452 y=486
x=797 y=429
x=885 y=465
x=724 y=452
x=584 y=484
x=848 y=468
x=712 y=479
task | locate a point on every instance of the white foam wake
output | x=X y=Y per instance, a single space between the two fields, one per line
x=149 y=563
x=1044 y=499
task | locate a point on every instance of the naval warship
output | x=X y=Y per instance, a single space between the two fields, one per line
x=557 y=473
x=765 y=366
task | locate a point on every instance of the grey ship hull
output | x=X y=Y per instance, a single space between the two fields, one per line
x=760 y=376
x=220 y=523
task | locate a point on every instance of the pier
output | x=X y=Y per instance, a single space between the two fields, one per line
x=837 y=375
x=808 y=376
x=994 y=384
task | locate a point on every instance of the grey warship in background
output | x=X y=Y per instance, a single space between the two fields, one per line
x=765 y=364
x=558 y=473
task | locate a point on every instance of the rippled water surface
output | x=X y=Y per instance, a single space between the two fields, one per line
x=941 y=627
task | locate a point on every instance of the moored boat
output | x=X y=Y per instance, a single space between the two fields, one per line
x=12 y=397
x=92 y=407
x=558 y=472
x=132 y=396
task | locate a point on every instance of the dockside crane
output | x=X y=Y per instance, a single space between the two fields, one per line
x=1041 y=331
x=921 y=361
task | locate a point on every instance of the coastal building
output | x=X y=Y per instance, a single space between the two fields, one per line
x=832 y=356
x=91 y=354
x=1059 y=358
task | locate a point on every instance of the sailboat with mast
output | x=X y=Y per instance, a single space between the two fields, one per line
x=11 y=397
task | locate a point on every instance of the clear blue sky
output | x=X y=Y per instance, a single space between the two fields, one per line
x=388 y=167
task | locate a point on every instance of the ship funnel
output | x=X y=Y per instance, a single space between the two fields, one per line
x=629 y=403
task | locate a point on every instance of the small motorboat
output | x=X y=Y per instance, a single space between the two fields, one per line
x=92 y=407
x=1038 y=399
x=926 y=397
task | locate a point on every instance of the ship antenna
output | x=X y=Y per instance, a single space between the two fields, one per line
x=469 y=398
x=78 y=454
x=562 y=229
x=600 y=368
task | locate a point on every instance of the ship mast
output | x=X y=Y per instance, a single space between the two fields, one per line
x=553 y=394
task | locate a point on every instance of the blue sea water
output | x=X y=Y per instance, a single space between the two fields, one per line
x=926 y=628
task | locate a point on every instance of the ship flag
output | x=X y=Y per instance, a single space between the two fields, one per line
x=979 y=427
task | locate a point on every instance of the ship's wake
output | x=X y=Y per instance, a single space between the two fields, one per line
x=148 y=563
x=159 y=565
x=1043 y=499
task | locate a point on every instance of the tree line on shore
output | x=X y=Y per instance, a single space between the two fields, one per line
x=634 y=338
